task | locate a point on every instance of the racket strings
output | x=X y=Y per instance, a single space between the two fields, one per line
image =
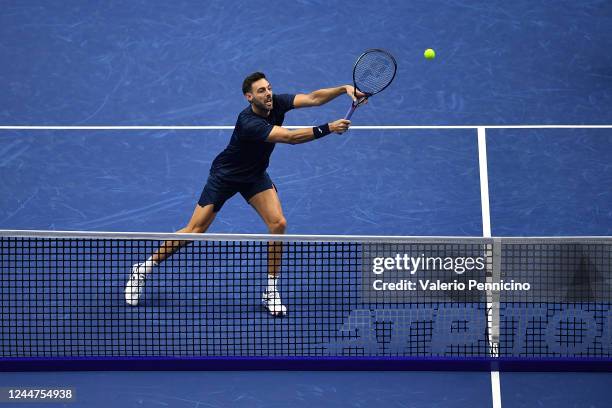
x=374 y=72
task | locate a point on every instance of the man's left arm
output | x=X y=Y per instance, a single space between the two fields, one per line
x=322 y=96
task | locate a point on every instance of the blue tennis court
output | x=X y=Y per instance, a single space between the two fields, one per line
x=112 y=114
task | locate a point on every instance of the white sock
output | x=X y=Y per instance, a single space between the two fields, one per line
x=148 y=265
x=272 y=282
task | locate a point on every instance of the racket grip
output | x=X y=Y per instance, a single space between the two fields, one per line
x=350 y=112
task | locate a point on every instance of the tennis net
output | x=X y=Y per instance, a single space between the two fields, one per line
x=458 y=299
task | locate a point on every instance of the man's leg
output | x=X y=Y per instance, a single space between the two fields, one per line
x=200 y=221
x=268 y=206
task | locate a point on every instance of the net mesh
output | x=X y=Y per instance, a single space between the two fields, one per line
x=374 y=71
x=64 y=297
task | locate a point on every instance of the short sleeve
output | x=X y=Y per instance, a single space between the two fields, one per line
x=284 y=102
x=253 y=129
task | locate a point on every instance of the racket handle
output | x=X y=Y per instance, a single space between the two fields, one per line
x=350 y=112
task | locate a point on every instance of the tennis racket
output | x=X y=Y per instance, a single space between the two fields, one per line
x=374 y=71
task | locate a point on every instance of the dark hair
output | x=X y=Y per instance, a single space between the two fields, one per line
x=248 y=81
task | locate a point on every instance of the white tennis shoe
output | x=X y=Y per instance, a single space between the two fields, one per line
x=272 y=301
x=135 y=284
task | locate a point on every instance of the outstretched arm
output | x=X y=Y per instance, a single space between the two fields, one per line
x=322 y=96
x=283 y=135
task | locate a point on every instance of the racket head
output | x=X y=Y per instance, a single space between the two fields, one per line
x=374 y=71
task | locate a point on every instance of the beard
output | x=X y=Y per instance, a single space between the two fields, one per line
x=262 y=105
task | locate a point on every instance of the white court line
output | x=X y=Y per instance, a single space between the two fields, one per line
x=484 y=183
x=496 y=389
x=486 y=233
x=357 y=127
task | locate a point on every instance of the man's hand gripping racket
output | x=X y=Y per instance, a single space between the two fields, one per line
x=373 y=72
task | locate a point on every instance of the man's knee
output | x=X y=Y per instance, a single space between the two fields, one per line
x=278 y=226
x=197 y=229
x=192 y=229
x=200 y=220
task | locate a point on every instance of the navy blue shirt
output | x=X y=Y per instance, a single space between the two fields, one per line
x=247 y=155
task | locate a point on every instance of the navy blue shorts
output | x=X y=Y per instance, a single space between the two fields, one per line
x=218 y=191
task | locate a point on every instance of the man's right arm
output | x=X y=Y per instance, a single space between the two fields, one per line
x=280 y=134
x=322 y=96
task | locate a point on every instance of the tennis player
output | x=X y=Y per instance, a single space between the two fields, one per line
x=241 y=168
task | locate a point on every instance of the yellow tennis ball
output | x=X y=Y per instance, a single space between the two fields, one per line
x=430 y=54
